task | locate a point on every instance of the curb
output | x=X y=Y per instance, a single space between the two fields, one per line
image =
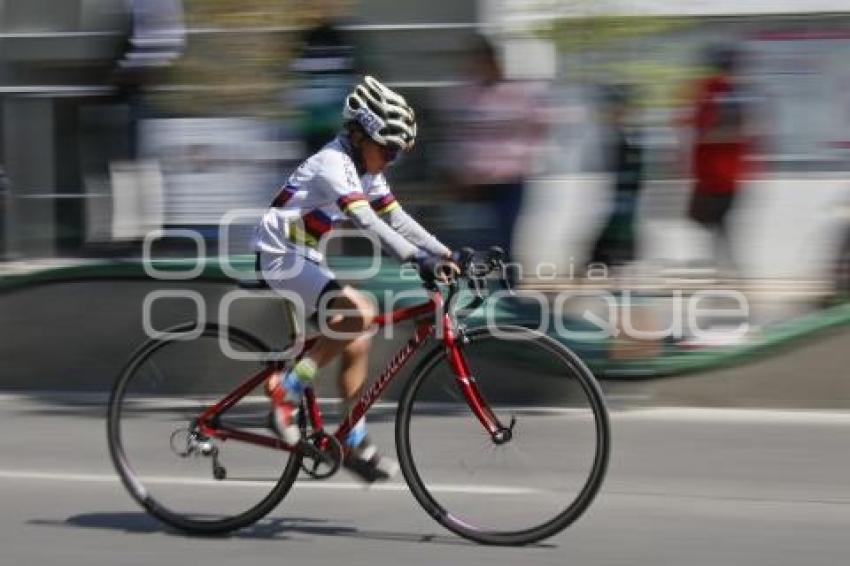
x=673 y=360
x=678 y=362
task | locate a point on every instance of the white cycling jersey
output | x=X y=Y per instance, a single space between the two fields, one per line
x=318 y=195
x=324 y=190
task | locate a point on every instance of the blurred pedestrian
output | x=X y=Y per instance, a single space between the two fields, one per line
x=157 y=38
x=721 y=145
x=623 y=150
x=494 y=128
x=325 y=71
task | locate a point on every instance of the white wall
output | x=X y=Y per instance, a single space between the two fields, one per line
x=784 y=227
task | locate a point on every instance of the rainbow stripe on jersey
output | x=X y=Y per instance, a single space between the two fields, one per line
x=351 y=201
x=384 y=204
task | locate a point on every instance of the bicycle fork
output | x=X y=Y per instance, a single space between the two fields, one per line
x=499 y=433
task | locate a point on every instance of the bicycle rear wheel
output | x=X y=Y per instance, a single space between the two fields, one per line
x=195 y=484
x=530 y=487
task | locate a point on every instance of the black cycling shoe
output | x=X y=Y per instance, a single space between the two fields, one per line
x=365 y=462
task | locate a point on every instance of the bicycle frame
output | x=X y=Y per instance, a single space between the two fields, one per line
x=209 y=425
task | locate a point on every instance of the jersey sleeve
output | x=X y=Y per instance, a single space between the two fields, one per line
x=412 y=231
x=340 y=183
x=385 y=205
x=381 y=198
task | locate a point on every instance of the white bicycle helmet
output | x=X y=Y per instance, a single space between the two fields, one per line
x=384 y=115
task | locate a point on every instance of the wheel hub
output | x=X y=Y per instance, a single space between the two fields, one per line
x=504 y=434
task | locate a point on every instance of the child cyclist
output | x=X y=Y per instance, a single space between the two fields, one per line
x=343 y=180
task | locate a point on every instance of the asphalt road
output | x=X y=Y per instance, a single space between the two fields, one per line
x=685 y=487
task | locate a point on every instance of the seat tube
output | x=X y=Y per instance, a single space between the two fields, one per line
x=313 y=410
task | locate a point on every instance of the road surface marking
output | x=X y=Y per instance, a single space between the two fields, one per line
x=736 y=416
x=306 y=484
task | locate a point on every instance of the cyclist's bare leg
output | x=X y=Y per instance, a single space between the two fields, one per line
x=351 y=315
x=362 y=457
x=355 y=363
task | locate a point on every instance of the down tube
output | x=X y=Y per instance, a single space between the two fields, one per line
x=423 y=329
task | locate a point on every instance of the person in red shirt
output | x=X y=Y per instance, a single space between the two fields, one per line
x=720 y=148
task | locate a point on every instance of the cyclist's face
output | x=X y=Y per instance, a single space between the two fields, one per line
x=376 y=157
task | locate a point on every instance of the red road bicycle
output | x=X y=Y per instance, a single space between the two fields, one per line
x=501 y=432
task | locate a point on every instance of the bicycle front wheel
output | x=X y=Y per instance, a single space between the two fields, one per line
x=523 y=490
x=196 y=484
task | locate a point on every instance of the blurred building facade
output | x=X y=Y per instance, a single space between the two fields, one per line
x=62 y=127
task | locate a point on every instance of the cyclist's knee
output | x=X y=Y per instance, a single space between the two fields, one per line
x=359 y=347
x=358 y=309
x=365 y=309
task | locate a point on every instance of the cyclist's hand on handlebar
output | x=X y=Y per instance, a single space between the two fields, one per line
x=434 y=269
x=450 y=270
x=462 y=257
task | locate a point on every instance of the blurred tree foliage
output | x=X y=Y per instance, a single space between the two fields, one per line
x=595 y=32
x=605 y=47
x=236 y=60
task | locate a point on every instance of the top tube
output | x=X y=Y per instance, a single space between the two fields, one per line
x=435 y=301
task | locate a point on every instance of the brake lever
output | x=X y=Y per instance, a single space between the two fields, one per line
x=504 y=280
x=463 y=258
x=477 y=285
x=476 y=272
x=495 y=254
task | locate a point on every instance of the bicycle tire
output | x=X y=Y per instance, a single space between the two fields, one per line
x=136 y=485
x=459 y=524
